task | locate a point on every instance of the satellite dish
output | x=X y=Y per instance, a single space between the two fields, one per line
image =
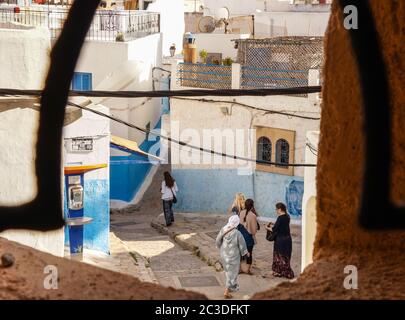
x=206 y=24
x=222 y=14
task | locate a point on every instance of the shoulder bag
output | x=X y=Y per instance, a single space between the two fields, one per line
x=174 y=197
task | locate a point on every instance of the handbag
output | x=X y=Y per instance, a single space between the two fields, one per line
x=174 y=197
x=270 y=235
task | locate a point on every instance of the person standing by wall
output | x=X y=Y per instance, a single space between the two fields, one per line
x=248 y=218
x=168 y=189
x=238 y=204
x=282 y=243
x=232 y=247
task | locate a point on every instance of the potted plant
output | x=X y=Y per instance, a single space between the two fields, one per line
x=203 y=55
x=172 y=50
x=216 y=61
x=120 y=37
x=227 y=61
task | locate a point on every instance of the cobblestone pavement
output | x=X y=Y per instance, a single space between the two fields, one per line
x=174 y=261
x=197 y=232
x=121 y=259
x=174 y=266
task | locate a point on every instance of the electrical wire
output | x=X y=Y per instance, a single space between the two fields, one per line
x=161 y=69
x=173 y=93
x=267 y=111
x=311 y=148
x=182 y=143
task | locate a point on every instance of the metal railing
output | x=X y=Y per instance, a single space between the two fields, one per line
x=254 y=78
x=211 y=76
x=107 y=25
x=208 y=76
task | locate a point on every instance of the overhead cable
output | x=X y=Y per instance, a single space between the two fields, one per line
x=173 y=93
x=250 y=107
x=146 y=131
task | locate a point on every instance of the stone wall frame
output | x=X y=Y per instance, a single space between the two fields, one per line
x=376 y=96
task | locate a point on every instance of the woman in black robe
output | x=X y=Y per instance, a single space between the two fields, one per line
x=282 y=244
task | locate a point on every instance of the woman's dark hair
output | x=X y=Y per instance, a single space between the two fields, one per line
x=249 y=207
x=281 y=206
x=168 y=179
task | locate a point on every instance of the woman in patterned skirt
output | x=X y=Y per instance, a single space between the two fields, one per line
x=282 y=244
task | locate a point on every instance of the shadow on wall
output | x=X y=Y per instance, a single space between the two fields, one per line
x=198 y=191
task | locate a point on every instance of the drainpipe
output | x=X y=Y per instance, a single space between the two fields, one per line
x=253 y=20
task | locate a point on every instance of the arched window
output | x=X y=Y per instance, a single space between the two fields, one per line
x=282 y=152
x=263 y=149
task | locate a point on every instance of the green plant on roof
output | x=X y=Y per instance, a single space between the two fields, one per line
x=227 y=61
x=120 y=37
x=203 y=55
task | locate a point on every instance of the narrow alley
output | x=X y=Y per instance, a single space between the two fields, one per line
x=169 y=263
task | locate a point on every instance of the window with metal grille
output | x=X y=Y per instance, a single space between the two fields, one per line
x=264 y=149
x=282 y=153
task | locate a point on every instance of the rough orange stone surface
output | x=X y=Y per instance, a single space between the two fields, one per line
x=25 y=280
x=379 y=256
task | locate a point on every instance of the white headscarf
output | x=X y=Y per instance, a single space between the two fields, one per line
x=233 y=222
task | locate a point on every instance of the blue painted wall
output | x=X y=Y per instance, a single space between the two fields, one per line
x=96 y=206
x=165 y=85
x=214 y=190
x=127 y=173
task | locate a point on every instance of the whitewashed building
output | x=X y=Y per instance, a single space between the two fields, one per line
x=26 y=50
x=123 y=51
x=272 y=128
x=309 y=200
x=263 y=18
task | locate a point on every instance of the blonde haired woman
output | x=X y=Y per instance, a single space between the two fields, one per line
x=238 y=204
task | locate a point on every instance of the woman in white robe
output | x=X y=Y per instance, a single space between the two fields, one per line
x=232 y=247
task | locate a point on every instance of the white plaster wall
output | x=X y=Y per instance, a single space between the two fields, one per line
x=18 y=127
x=246 y=7
x=192 y=5
x=241 y=7
x=221 y=43
x=277 y=17
x=172 y=23
x=308 y=202
x=125 y=66
x=90 y=125
x=291 y=23
x=101 y=58
x=27 y=55
x=286 y=5
x=200 y=115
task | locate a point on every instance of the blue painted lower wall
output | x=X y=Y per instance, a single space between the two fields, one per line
x=127 y=173
x=214 y=190
x=96 y=206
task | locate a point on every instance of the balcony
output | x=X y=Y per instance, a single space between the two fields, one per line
x=267 y=78
x=107 y=25
x=208 y=76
